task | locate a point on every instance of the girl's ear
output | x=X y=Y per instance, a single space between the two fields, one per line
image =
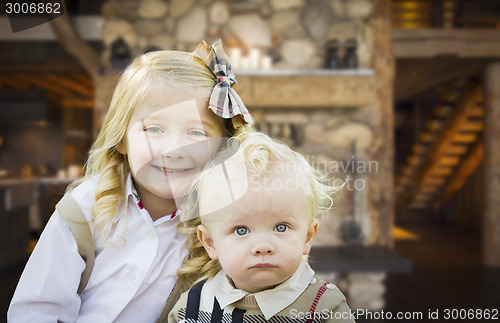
x=207 y=241
x=122 y=147
x=311 y=233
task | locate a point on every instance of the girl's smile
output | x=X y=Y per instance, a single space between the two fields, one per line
x=170 y=138
x=173 y=171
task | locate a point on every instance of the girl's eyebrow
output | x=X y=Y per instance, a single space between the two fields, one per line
x=209 y=124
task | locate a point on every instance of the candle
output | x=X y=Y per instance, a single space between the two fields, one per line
x=235 y=57
x=245 y=63
x=266 y=62
x=254 y=58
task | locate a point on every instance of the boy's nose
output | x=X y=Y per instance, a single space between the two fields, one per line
x=263 y=247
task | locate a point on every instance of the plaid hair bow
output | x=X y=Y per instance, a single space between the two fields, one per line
x=224 y=101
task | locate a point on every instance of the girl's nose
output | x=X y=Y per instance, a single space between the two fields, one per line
x=173 y=147
x=263 y=247
x=174 y=153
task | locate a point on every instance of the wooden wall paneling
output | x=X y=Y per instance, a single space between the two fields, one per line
x=491 y=224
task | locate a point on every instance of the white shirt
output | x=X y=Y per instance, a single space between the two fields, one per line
x=132 y=277
x=270 y=301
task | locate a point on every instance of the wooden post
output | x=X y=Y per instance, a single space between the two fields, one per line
x=384 y=65
x=491 y=221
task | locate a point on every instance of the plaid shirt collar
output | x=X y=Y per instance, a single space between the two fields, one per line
x=270 y=301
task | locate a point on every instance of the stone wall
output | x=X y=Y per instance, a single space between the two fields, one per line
x=292 y=32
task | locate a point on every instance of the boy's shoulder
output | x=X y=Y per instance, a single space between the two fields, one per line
x=322 y=293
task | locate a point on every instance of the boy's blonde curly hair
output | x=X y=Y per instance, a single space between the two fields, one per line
x=261 y=156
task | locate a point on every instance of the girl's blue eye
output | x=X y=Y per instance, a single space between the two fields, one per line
x=154 y=129
x=197 y=132
x=281 y=228
x=240 y=231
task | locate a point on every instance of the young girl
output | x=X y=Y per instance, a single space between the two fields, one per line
x=169 y=113
x=258 y=213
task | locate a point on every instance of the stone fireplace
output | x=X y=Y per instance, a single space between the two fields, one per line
x=333 y=116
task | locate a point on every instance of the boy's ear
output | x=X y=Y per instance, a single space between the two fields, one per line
x=207 y=241
x=311 y=233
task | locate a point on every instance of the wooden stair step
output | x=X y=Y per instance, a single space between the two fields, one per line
x=465 y=138
x=434 y=125
x=429 y=189
x=477 y=111
x=414 y=160
x=442 y=111
x=433 y=180
x=449 y=161
x=472 y=125
x=456 y=149
x=442 y=171
x=427 y=137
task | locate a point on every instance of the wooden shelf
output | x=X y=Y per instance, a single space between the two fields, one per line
x=358 y=258
x=306 y=88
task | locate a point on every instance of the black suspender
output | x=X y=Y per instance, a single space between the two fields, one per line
x=237 y=316
x=193 y=302
x=193 y=307
x=217 y=312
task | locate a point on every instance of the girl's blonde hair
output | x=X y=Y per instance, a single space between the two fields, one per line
x=185 y=71
x=262 y=157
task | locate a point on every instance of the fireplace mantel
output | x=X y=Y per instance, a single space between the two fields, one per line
x=306 y=88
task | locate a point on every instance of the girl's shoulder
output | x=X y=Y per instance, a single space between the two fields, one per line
x=84 y=194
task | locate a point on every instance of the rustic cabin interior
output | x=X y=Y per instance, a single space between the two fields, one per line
x=400 y=99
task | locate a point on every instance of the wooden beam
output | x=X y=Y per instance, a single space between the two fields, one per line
x=69 y=84
x=466 y=169
x=40 y=66
x=73 y=43
x=383 y=63
x=40 y=82
x=415 y=76
x=83 y=79
x=9 y=80
x=76 y=102
x=477 y=43
x=444 y=140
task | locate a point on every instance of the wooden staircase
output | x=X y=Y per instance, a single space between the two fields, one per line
x=446 y=153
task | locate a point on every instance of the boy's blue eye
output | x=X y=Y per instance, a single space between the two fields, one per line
x=281 y=228
x=240 y=231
